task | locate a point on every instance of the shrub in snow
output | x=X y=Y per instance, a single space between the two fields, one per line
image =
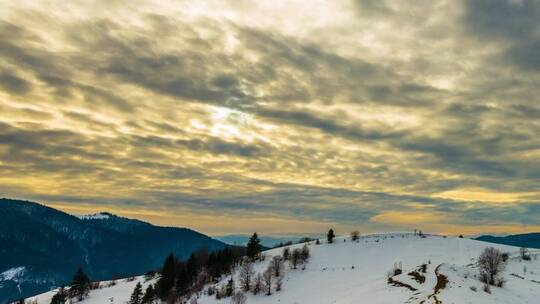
x=524 y=254
x=396 y=270
x=304 y=254
x=491 y=264
x=355 y=235
x=279 y=283
x=296 y=257
x=486 y=288
x=330 y=236
x=238 y=298
x=473 y=288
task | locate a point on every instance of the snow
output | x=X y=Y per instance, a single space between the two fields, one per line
x=348 y=272
x=107 y=294
x=12 y=274
x=96 y=216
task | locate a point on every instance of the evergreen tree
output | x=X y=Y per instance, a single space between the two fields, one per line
x=80 y=286
x=229 y=289
x=168 y=276
x=149 y=295
x=60 y=297
x=136 y=296
x=253 y=246
x=191 y=266
x=330 y=236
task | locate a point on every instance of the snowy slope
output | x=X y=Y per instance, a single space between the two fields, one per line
x=118 y=292
x=353 y=272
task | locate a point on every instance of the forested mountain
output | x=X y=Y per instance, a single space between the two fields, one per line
x=41 y=247
x=529 y=240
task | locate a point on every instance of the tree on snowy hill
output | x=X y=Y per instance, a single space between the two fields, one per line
x=167 y=278
x=149 y=295
x=253 y=246
x=257 y=284
x=330 y=236
x=277 y=265
x=524 y=254
x=279 y=282
x=304 y=253
x=491 y=264
x=60 y=297
x=137 y=294
x=239 y=298
x=246 y=274
x=267 y=281
x=295 y=257
x=286 y=253
x=80 y=286
x=355 y=235
x=229 y=288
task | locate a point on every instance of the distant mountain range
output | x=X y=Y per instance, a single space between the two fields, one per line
x=529 y=240
x=41 y=247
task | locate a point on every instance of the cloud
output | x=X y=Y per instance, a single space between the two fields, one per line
x=358 y=113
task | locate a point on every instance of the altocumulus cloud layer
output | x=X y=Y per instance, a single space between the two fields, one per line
x=292 y=117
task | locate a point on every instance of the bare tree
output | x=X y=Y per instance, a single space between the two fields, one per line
x=304 y=253
x=355 y=235
x=246 y=274
x=491 y=264
x=257 y=284
x=238 y=298
x=276 y=264
x=295 y=257
x=267 y=281
x=286 y=253
x=524 y=254
x=279 y=282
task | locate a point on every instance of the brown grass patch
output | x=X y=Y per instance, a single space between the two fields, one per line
x=397 y=283
x=418 y=277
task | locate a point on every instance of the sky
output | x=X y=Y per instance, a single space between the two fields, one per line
x=282 y=117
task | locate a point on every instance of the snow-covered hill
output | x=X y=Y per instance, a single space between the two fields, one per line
x=348 y=272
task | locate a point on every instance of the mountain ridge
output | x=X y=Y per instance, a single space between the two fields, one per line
x=529 y=240
x=50 y=245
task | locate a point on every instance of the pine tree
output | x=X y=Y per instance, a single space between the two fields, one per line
x=168 y=275
x=229 y=289
x=80 y=286
x=253 y=246
x=149 y=295
x=330 y=236
x=136 y=296
x=60 y=297
x=191 y=266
